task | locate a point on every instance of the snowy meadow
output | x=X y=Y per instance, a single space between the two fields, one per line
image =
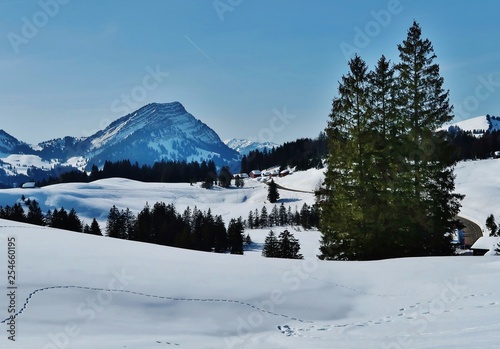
x=81 y=291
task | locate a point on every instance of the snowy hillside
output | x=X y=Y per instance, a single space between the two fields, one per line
x=95 y=199
x=478 y=180
x=82 y=291
x=478 y=125
x=245 y=146
x=480 y=183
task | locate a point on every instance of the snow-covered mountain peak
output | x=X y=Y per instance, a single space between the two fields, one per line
x=159 y=131
x=155 y=132
x=161 y=119
x=245 y=146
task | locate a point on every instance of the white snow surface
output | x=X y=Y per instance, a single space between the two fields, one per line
x=475 y=123
x=20 y=163
x=95 y=292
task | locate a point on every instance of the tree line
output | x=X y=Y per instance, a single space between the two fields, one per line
x=58 y=218
x=163 y=225
x=164 y=171
x=308 y=217
x=304 y=153
x=470 y=146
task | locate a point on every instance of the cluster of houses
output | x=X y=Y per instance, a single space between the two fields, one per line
x=269 y=173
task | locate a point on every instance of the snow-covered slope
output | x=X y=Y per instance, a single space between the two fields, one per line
x=245 y=146
x=95 y=199
x=81 y=291
x=9 y=144
x=480 y=183
x=478 y=180
x=477 y=125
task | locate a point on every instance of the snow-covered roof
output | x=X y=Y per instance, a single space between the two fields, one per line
x=486 y=243
x=29 y=185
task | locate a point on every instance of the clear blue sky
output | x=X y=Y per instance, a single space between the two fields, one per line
x=266 y=70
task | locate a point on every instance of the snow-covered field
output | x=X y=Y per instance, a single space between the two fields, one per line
x=96 y=198
x=94 y=292
x=19 y=164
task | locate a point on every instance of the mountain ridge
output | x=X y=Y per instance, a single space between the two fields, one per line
x=245 y=146
x=154 y=132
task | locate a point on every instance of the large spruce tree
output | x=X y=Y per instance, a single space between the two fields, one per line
x=389 y=183
x=432 y=204
x=343 y=224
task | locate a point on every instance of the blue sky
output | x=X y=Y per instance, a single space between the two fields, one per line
x=264 y=70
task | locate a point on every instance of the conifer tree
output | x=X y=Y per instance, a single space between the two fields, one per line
x=283 y=217
x=271 y=248
x=225 y=177
x=94 y=228
x=143 y=226
x=208 y=183
x=235 y=235
x=264 y=218
x=274 y=216
x=256 y=221
x=305 y=216
x=289 y=246
x=221 y=238
x=73 y=222
x=389 y=188
x=114 y=224
x=491 y=225
x=128 y=219
x=17 y=213
x=273 y=195
x=424 y=105
x=342 y=224
x=250 y=220
x=86 y=229
x=35 y=215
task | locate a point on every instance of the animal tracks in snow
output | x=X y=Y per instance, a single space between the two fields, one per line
x=427 y=311
x=29 y=299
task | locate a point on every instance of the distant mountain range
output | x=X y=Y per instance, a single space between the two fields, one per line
x=155 y=132
x=245 y=146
